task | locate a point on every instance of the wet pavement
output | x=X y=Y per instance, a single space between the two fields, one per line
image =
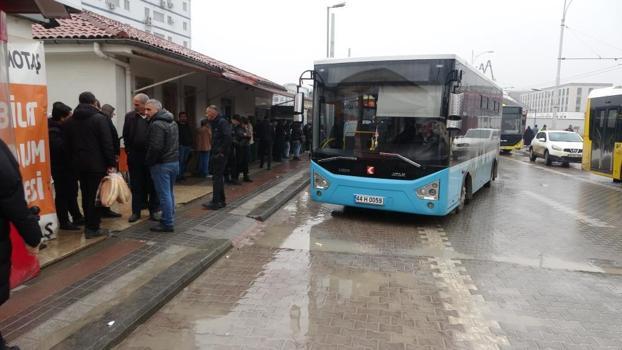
x=535 y=262
x=95 y=297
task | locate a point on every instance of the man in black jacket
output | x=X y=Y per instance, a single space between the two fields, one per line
x=13 y=209
x=265 y=138
x=186 y=142
x=221 y=146
x=89 y=142
x=108 y=111
x=65 y=181
x=135 y=140
x=163 y=160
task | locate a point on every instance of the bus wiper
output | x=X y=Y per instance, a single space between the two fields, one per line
x=396 y=155
x=330 y=159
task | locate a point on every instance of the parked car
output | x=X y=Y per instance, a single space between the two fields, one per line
x=557 y=146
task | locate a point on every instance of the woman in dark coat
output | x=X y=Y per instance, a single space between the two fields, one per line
x=13 y=209
x=528 y=136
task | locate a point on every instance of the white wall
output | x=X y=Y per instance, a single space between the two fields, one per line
x=70 y=74
x=135 y=16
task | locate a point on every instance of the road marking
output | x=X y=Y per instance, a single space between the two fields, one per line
x=584 y=218
x=456 y=286
x=574 y=177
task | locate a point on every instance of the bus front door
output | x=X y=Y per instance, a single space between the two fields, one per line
x=603 y=135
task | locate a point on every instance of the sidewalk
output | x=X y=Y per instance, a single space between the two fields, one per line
x=70 y=242
x=92 y=299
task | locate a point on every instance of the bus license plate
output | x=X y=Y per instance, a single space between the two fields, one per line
x=365 y=199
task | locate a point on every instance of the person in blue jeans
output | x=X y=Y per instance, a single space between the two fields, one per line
x=186 y=141
x=163 y=160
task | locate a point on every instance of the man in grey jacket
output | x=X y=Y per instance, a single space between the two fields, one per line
x=163 y=160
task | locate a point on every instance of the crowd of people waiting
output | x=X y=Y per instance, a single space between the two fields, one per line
x=85 y=146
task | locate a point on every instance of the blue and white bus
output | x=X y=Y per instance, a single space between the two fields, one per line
x=417 y=134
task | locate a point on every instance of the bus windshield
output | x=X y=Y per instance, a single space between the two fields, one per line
x=389 y=118
x=565 y=137
x=511 y=122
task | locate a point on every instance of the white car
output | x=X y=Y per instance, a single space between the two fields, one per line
x=557 y=146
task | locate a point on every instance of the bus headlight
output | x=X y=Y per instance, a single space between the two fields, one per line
x=320 y=182
x=429 y=192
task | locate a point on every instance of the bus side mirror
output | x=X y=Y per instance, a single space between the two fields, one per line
x=299 y=103
x=454 y=114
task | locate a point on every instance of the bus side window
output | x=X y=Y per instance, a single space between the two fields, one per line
x=619 y=130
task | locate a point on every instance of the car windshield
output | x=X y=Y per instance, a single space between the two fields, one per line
x=478 y=134
x=565 y=137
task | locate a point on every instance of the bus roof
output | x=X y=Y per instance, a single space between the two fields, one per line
x=406 y=58
x=609 y=91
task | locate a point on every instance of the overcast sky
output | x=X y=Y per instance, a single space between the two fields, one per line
x=279 y=39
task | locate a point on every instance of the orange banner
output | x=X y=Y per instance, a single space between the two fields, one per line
x=28 y=117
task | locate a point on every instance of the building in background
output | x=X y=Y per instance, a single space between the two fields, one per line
x=166 y=19
x=573 y=100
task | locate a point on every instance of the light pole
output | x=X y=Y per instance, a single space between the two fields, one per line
x=535 y=113
x=474 y=56
x=559 y=60
x=341 y=4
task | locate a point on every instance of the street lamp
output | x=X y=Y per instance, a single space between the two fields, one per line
x=474 y=57
x=535 y=111
x=559 y=60
x=341 y=4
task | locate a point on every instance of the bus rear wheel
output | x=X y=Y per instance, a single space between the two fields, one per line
x=493 y=175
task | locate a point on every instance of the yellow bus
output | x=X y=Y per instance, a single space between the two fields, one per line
x=602 y=145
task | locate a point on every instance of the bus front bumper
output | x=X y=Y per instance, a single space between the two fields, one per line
x=396 y=195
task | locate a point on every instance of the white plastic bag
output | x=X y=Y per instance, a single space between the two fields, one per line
x=112 y=188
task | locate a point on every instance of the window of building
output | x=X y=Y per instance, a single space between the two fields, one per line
x=185 y=6
x=146 y=12
x=579 y=98
x=126 y=4
x=158 y=16
x=170 y=20
x=185 y=43
x=186 y=26
x=160 y=35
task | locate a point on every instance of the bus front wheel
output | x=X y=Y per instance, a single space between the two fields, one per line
x=464 y=194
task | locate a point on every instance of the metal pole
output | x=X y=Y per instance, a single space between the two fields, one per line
x=332 y=35
x=327 y=28
x=559 y=61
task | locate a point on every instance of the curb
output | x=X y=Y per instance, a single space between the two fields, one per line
x=143 y=303
x=269 y=207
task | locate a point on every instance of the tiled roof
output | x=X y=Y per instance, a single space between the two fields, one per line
x=87 y=25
